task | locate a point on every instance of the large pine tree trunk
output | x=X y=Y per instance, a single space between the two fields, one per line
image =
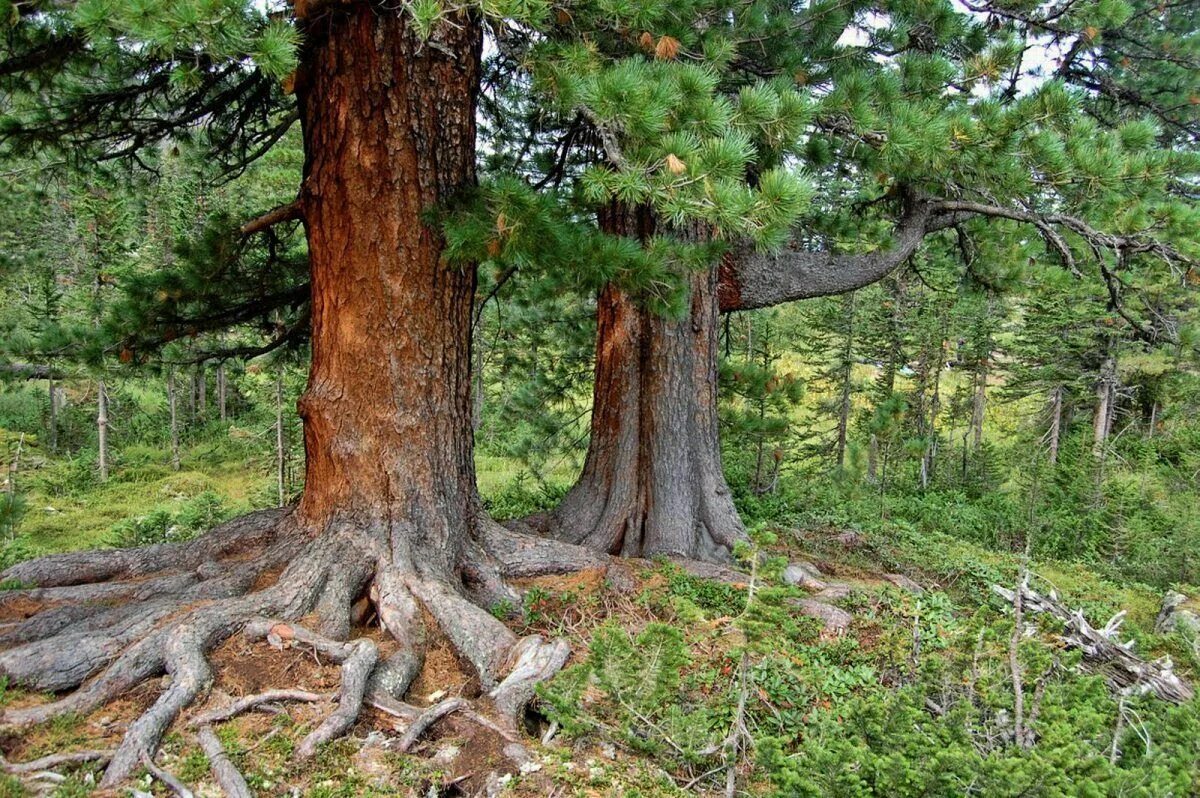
x=652 y=482
x=387 y=421
x=389 y=509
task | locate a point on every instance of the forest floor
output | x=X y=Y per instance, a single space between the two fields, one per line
x=659 y=661
x=455 y=758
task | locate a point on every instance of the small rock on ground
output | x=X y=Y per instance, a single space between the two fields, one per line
x=904 y=583
x=804 y=575
x=836 y=620
x=1174 y=616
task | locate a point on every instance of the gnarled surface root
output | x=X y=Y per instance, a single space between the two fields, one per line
x=102 y=623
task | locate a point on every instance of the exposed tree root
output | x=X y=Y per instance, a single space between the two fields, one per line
x=534 y=661
x=101 y=623
x=94 y=567
x=224 y=771
x=162 y=610
x=53 y=761
x=250 y=702
x=422 y=722
x=357 y=660
x=173 y=783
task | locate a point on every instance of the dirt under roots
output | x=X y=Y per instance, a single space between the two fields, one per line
x=96 y=626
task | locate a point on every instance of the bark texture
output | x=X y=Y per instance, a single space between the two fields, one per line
x=652 y=482
x=389 y=510
x=753 y=279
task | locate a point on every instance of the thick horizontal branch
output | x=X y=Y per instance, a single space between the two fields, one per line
x=752 y=280
x=758 y=280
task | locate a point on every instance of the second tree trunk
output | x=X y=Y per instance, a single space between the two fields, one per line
x=652 y=483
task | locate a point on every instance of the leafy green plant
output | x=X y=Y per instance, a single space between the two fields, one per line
x=170 y=525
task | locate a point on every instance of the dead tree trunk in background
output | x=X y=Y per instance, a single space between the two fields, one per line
x=845 y=378
x=52 y=422
x=221 y=391
x=173 y=409
x=102 y=430
x=929 y=459
x=979 y=405
x=1102 y=416
x=1056 y=415
x=201 y=392
x=280 y=441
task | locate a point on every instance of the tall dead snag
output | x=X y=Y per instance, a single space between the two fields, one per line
x=1054 y=434
x=172 y=409
x=1103 y=414
x=102 y=430
x=389 y=509
x=280 y=442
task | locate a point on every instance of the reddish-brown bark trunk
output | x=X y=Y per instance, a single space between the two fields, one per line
x=389 y=131
x=389 y=508
x=652 y=482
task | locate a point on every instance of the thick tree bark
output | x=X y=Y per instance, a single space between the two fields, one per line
x=387 y=421
x=652 y=482
x=389 y=510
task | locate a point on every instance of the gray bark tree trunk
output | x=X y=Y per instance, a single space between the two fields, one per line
x=102 y=430
x=652 y=482
x=173 y=409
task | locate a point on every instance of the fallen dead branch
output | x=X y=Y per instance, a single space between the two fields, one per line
x=1103 y=653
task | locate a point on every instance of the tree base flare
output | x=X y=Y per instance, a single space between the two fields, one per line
x=99 y=624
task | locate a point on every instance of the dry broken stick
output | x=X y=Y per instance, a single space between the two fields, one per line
x=1103 y=653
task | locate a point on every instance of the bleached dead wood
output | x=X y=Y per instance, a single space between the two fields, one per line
x=1103 y=652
